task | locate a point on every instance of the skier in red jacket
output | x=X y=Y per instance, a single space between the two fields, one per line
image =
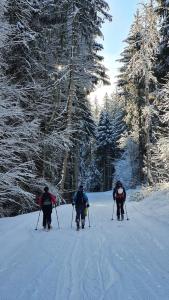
x=46 y=201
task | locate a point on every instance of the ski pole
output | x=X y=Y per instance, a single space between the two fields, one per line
x=72 y=216
x=88 y=217
x=57 y=217
x=38 y=220
x=126 y=211
x=113 y=210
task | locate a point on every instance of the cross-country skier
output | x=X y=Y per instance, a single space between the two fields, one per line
x=81 y=203
x=119 y=195
x=46 y=201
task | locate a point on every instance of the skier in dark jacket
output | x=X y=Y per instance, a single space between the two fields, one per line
x=81 y=202
x=119 y=195
x=46 y=201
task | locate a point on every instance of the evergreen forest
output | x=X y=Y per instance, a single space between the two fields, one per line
x=50 y=132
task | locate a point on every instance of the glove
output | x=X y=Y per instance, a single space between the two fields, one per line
x=73 y=204
x=87 y=205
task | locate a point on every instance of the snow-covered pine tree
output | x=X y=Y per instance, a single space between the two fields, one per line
x=162 y=63
x=96 y=108
x=85 y=70
x=117 y=112
x=90 y=176
x=132 y=93
x=19 y=132
x=104 y=150
x=30 y=89
x=60 y=67
x=50 y=100
x=114 y=105
x=16 y=50
x=160 y=147
x=18 y=148
x=142 y=65
x=107 y=100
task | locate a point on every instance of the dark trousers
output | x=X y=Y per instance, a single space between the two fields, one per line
x=120 y=209
x=47 y=211
x=80 y=213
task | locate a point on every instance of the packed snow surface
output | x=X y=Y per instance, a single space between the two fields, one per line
x=111 y=260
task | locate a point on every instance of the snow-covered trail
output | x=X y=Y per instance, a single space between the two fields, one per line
x=111 y=260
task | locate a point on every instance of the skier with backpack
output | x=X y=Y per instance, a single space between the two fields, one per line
x=81 y=203
x=119 y=195
x=46 y=202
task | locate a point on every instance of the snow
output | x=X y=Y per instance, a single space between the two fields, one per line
x=110 y=260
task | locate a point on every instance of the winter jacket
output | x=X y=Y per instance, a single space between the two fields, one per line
x=52 y=198
x=117 y=196
x=80 y=199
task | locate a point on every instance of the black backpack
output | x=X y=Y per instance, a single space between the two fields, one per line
x=79 y=198
x=46 y=199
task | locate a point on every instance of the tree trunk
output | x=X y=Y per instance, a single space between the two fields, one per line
x=69 y=127
x=147 y=132
x=141 y=137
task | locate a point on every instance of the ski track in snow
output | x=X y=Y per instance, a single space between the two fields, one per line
x=112 y=260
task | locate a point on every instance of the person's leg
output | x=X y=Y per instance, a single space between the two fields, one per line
x=83 y=217
x=48 y=216
x=44 y=217
x=78 y=217
x=118 y=209
x=122 y=210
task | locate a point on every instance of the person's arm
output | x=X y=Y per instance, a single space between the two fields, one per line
x=124 y=194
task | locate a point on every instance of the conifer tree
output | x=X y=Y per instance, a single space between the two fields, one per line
x=104 y=150
x=96 y=109
x=160 y=147
x=131 y=90
x=162 y=63
x=19 y=132
x=140 y=74
x=85 y=68
x=51 y=63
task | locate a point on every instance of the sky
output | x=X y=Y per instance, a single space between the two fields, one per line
x=115 y=33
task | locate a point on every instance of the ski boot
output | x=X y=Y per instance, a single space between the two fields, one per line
x=83 y=224
x=78 y=226
x=49 y=226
